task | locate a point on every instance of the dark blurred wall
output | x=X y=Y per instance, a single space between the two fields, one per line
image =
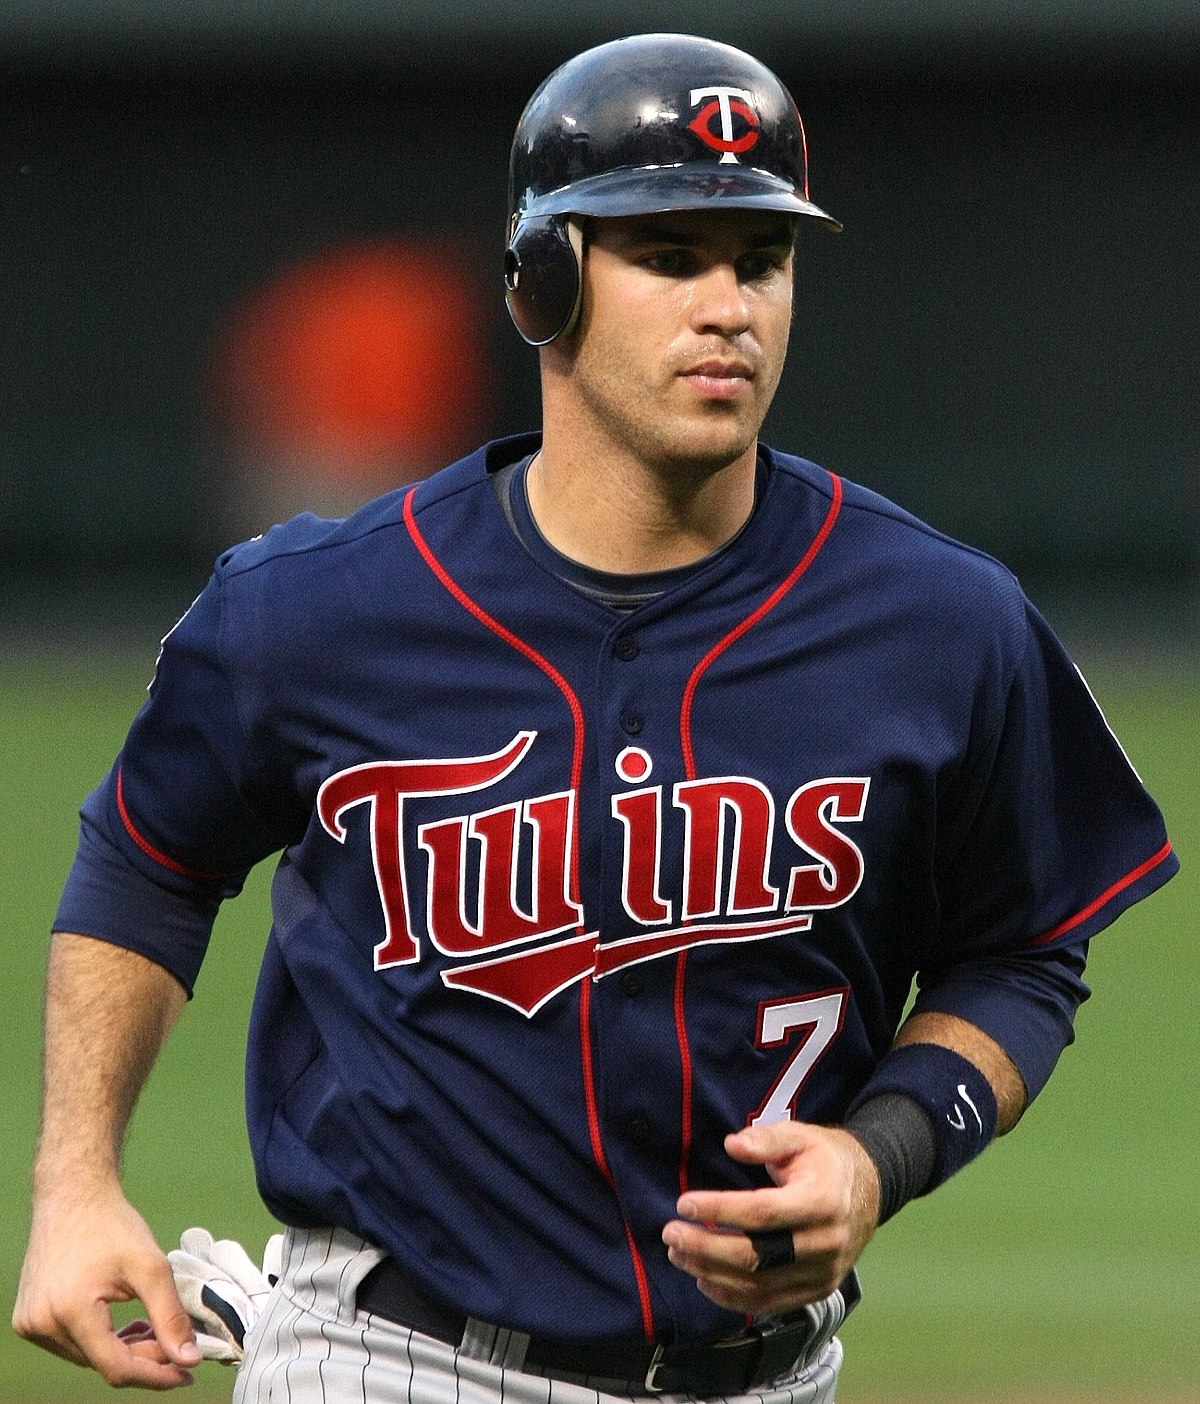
x=1004 y=338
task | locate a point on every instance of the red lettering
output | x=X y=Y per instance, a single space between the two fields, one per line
x=500 y=921
x=708 y=805
x=501 y=877
x=383 y=786
x=641 y=813
x=836 y=876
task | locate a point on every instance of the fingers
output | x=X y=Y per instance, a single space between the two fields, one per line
x=140 y=1338
x=778 y=1146
x=171 y=1323
x=777 y=1248
x=772 y=1248
x=78 y=1264
x=800 y=1159
x=132 y=1357
x=728 y=1267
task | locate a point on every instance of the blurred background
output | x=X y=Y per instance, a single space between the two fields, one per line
x=250 y=256
x=251 y=260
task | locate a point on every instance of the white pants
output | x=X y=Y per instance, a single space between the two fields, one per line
x=311 y=1346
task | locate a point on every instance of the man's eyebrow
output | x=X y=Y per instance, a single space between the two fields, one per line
x=782 y=237
x=653 y=231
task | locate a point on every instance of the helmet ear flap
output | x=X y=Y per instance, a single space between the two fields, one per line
x=543 y=281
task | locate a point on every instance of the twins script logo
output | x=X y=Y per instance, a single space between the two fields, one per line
x=724 y=104
x=522 y=955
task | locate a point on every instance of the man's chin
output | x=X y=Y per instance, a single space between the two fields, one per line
x=709 y=448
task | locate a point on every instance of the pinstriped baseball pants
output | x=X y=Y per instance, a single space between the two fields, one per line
x=311 y=1346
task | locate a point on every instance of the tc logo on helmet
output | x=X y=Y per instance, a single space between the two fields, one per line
x=725 y=103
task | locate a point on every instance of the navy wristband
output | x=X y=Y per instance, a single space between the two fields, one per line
x=953 y=1094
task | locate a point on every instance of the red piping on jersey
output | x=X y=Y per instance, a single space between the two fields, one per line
x=585 y=996
x=689 y=692
x=685 y=1070
x=593 y=1115
x=689 y=766
x=149 y=849
x=521 y=646
x=1105 y=897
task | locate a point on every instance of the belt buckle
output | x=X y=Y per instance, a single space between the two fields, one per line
x=770 y=1327
x=651 y=1380
x=752 y=1340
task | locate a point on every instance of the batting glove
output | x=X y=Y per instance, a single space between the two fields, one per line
x=222 y=1290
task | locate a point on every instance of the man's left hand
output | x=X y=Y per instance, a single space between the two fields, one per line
x=826 y=1195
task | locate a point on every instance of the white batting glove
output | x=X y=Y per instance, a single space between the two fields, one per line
x=222 y=1290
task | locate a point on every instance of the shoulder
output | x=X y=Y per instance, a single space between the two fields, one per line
x=314 y=583
x=901 y=558
x=880 y=518
x=308 y=545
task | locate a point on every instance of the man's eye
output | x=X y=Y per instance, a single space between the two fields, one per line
x=754 y=267
x=671 y=262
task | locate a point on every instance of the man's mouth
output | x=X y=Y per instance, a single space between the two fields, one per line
x=719 y=379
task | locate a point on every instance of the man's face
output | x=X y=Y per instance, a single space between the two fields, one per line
x=682 y=335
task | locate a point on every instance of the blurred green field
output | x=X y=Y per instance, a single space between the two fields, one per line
x=1066 y=1262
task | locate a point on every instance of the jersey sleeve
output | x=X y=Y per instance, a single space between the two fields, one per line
x=1048 y=834
x=185 y=811
x=1026 y=1001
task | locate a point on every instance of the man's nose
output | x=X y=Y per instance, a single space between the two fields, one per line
x=719 y=302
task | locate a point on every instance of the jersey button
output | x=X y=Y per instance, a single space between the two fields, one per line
x=638 y=1128
x=631 y=984
x=626 y=648
x=632 y=723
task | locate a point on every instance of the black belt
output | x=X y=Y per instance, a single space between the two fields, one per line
x=732 y=1366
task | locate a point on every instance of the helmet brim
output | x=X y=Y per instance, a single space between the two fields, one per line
x=688 y=186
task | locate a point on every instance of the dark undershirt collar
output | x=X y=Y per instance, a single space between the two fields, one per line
x=618 y=590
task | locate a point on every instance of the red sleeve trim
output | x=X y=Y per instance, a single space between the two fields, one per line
x=1105 y=897
x=149 y=849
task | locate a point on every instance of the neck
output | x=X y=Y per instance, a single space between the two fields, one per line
x=627 y=517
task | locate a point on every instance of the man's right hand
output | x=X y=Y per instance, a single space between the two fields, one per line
x=88 y=1249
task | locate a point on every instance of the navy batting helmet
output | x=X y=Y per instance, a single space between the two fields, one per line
x=643 y=125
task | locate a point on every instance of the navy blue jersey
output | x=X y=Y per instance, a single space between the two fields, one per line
x=569 y=892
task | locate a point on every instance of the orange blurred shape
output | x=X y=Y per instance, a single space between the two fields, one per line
x=367 y=357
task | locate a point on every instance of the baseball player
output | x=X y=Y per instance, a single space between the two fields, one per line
x=626 y=776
